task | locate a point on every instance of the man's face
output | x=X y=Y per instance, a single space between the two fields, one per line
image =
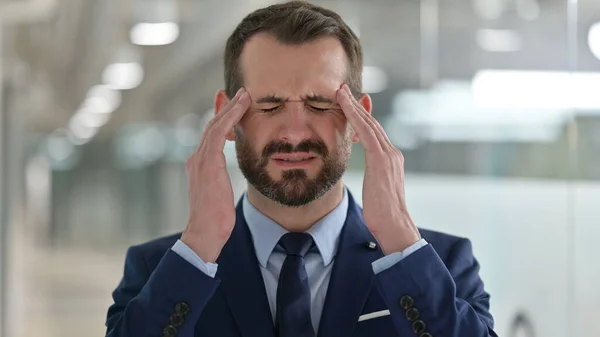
x=294 y=143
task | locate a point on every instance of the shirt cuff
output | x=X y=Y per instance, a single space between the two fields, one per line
x=190 y=256
x=388 y=261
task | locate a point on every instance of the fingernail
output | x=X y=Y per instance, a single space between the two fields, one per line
x=240 y=90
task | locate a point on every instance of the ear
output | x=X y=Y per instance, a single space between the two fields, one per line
x=367 y=104
x=221 y=100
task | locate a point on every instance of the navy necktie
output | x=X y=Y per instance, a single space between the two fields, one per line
x=293 y=292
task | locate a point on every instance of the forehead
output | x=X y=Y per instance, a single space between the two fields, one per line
x=270 y=67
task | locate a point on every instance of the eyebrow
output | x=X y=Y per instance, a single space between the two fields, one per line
x=278 y=100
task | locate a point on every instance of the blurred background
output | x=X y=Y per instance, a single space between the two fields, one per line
x=494 y=103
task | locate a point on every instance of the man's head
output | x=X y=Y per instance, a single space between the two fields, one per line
x=294 y=142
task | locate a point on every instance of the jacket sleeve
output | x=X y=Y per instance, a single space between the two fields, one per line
x=430 y=298
x=165 y=302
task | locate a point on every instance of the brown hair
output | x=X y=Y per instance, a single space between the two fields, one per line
x=293 y=22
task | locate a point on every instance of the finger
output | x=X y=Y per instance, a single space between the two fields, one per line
x=382 y=137
x=384 y=140
x=230 y=104
x=367 y=135
x=217 y=135
x=231 y=117
x=220 y=115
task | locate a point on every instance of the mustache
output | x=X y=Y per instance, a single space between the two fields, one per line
x=309 y=145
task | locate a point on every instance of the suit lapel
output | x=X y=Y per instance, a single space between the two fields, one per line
x=352 y=276
x=242 y=282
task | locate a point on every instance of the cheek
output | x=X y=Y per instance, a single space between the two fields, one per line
x=250 y=127
x=254 y=142
x=340 y=125
x=340 y=122
x=343 y=138
x=257 y=123
x=333 y=134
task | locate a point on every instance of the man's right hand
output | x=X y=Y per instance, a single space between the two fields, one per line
x=212 y=209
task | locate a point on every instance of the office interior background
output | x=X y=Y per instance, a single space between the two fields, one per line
x=494 y=103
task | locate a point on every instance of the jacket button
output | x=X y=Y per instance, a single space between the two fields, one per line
x=419 y=326
x=169 y=331
x=176 y=320
x=426 y=334
x=412 y=314
x=406 y=302
x=182 y=308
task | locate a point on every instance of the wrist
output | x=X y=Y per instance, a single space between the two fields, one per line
x=397 y=247
x=207 y=251
x=397 y=242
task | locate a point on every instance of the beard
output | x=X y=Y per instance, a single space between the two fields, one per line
x=295 y=188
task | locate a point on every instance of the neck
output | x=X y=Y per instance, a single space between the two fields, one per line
x=297 y=219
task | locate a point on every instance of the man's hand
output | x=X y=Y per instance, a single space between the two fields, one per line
x=212 y=209
x=384 y=203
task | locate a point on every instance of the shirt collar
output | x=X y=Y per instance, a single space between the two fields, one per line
x=266 y=232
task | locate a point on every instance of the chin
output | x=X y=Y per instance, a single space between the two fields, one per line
x=280 y=174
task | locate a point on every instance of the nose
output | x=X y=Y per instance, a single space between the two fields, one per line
x=296 y=126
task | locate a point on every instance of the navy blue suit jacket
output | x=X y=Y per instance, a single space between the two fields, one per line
x=436 y=290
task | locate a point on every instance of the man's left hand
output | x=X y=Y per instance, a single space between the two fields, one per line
x=384 y=202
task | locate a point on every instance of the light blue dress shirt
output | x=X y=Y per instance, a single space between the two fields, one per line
x=319 y=262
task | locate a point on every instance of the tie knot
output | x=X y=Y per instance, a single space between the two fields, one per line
x=296 y=243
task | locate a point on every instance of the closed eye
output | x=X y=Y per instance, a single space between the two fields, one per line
x=313 y=108
x=321 y=109
x=270 y=110
x=318 y=109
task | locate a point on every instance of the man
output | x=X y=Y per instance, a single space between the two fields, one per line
x=297 y=256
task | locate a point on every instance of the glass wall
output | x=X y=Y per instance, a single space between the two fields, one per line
x=495 y=105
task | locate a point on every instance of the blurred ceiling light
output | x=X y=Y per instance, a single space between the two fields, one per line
x=496 y=40
x=188 y=129
x=149 y=144
x=489 y=9
x=102 y=99
x=58 y=146
x=123 y=76
x=528 y=9
x=154 y=34
x=494 y=134
x=91 y=119
x=80 y=133
x=453 y=104
x=374 y=80
x=402 y=135
x=594 y=39
x=536 y=89
x=448 y=112
x=77 y=141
